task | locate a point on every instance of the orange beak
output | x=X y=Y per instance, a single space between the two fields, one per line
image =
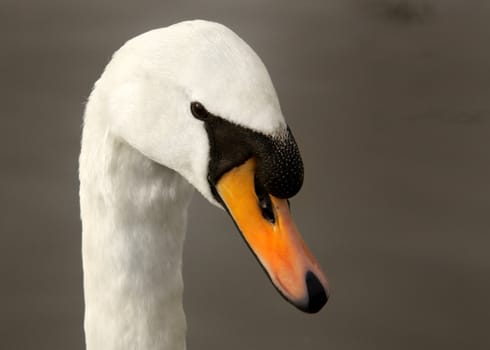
x=267 y=227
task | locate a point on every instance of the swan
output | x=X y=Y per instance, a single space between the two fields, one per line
x=189 y=106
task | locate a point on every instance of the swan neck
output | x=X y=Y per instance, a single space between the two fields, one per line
x=134 y=214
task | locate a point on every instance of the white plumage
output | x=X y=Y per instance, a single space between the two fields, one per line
x=142 y=154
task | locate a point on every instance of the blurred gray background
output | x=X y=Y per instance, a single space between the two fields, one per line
x=389 y=102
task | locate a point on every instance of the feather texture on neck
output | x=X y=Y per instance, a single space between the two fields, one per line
x=134 y=214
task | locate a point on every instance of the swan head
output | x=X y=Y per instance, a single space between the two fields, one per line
x=196 y=98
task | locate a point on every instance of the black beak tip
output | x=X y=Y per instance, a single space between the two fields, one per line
x=317 y=295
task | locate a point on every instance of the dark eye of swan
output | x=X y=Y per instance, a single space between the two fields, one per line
x=199 y=111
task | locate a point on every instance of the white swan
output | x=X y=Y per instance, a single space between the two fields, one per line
x=190 y=105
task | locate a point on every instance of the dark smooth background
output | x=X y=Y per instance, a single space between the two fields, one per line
x=389 y=102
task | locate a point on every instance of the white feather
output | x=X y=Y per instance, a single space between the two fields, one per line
x=141 y=151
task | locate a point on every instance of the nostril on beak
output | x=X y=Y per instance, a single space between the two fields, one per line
x=317 y=295
x=264 y=202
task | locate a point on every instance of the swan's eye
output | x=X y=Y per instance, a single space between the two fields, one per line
x=199 y=111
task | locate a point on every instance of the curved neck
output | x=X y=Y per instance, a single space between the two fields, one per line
x=134 y=214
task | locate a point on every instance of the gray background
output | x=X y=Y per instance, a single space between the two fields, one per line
x=389 y=101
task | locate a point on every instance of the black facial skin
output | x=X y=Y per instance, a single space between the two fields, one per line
x=279 y=166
